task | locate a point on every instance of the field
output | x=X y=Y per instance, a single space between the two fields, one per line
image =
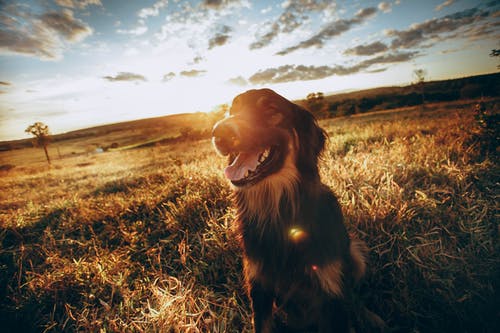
x=141 y=240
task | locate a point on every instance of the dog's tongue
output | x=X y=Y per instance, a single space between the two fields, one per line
x=245 y=161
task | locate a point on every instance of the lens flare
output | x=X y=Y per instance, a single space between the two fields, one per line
x=297 y=235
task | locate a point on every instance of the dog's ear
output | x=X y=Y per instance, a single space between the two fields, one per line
x=311 y=140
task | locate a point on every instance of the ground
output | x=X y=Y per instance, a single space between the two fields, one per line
x=141 y=239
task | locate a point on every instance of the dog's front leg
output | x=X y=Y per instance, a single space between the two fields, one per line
x=262 y=307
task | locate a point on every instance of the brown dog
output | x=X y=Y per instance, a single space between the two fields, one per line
x=300 y=264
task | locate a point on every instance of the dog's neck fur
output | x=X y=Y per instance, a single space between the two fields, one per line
x=263 y=201
x=277 y=198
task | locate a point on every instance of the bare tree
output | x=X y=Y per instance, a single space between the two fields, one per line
x=495 y=53
x=420 y=76
x=41 y=134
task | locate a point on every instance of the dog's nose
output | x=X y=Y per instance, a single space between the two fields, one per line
x=225 y=136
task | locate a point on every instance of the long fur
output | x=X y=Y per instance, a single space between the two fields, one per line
x=300 y=265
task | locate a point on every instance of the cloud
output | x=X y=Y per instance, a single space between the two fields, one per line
x=266 y=10
x=190 y=74
x=5 y=84
x=137 y=31
x=433 y=29
x=193 y=73
x=169 y=76
x=153 y=10
x=378 y=70
x=290 y=73
x=444 y=4
x=220 y=38
x=141 y=27
x=238 y=81
x=125 y=76
x=331 y=30
x=385 y=7
x=219 y=4
x=80 y=4
x=44 y=36
x=366 y=50
x=267 y=38
x=294 y=15
x=389 y=59
x=66 y=25
x=192 y=25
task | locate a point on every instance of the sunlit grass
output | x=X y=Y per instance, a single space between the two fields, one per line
x=140 y=240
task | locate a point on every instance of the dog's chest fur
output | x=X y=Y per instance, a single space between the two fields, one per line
x=279 y=259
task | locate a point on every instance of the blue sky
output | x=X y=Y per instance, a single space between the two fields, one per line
x=80 y=63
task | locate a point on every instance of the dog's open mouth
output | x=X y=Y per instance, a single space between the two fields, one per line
x=248 y=167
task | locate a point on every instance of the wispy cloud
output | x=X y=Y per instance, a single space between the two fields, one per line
x=290 y=73
x=367 y=50
x=221 y=38
x=80 y=4
x=125 y=76
x=169 y=76
x=333 y=29
x=294 y=15
x=385 y=7
x=65 y=25
x=141 y=29
x=4 y=84
x=444 y=4
x=238 y=81
x=220 y=4
x=193 y=73
x=153 y=10
x=191 y=26
x=418 y=34
x=44 y=36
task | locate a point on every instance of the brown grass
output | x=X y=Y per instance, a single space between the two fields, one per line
x=140 y=240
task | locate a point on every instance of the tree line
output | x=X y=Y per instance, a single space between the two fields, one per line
x=418 y=93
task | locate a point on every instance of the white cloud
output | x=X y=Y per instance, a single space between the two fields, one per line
x=153 y=10
x=444 y=4
x=140 y=30
x=45 y=35
x=385 y=7
x=80 y=4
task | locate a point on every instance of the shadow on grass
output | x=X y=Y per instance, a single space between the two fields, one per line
x=438 y=271
x=65 y=267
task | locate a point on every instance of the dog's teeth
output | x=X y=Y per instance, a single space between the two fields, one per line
x=265 y=154
x=247 y=173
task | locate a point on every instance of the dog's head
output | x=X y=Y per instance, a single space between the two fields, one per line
x=266 y=134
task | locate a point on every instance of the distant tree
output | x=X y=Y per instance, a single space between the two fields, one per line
x=316 y=104
x=420 y=76
x=495 y=53
x=41 y=134
x=347 y=108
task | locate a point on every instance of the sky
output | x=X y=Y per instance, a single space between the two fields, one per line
x=79 y=63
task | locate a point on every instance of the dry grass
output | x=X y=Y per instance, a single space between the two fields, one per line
x=141 y=240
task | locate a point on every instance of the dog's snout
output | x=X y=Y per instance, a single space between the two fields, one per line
x=225 y=136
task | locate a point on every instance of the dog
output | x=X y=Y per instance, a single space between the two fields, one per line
x=300 y=266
